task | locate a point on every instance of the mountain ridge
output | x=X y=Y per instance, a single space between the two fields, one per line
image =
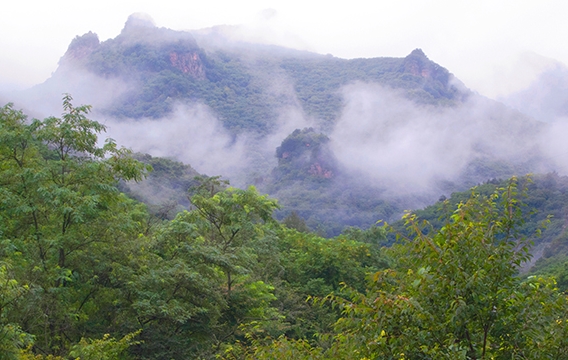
x=167 y=65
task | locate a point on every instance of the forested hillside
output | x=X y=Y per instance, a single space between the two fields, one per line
x=167 y=66
x=89 y=273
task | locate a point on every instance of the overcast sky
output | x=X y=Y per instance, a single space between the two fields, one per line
x=493 y=46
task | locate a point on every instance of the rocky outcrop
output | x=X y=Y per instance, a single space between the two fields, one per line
x=316 y=169
x=305 y=153
x=434 y=79
x=80 y=48
x=188 y=63
x=417 y=64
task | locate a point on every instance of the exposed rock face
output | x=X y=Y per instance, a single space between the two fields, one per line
x=305 y=153
x=188 y=63
x=80 y=48
x=238 y=80
x=433 y=78
x=317 y=170
x=418 y=64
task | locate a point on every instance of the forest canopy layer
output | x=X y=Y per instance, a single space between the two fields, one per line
x=89 y=273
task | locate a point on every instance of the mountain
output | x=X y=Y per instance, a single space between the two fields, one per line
x=158 y=66
x=545 y=98
x=340 y=142
x=165 y=190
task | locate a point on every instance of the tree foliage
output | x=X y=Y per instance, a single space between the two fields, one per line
x=88 y=273
x=61 y=211
x=454 y=293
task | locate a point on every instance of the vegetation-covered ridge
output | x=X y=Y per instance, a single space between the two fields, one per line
x=165 y=66
x=453 y=293
x=88 y=273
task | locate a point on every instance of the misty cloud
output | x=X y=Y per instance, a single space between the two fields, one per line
x=86 y=88
x=555 y=146
x=410 y=148
x=192 y=134
x=380 y=137
x=195 y=136
x=546 y=97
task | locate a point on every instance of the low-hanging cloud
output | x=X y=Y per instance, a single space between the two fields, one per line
x=85 y=87
x=191 y=134
x=555 y=146
x=409 y=148
x=382 y=136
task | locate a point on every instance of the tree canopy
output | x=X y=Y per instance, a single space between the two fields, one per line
x=87 y=272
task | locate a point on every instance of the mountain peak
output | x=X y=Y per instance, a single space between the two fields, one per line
x=418 y=64
x=139 y=20
x=80 y=48
x=418 y=53
x=138 y=23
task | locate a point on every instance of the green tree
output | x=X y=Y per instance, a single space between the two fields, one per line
x=12 y=338
x=106 y=348
x=238 y=228
x=455 y=293
x=376 y=235
x=61 y=215
x=294 y=221
x=312 y=266
x=229 y=222
x=201 y=278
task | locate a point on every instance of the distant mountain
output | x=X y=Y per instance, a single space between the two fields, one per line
x=546 y=98
x=165 y=190
x=158 y=67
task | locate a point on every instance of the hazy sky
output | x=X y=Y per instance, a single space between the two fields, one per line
x=484 y=43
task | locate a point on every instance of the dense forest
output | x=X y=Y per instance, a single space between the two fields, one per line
x=88 y=272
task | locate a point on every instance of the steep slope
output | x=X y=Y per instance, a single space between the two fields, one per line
x=158 y=66
x=545 y=209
